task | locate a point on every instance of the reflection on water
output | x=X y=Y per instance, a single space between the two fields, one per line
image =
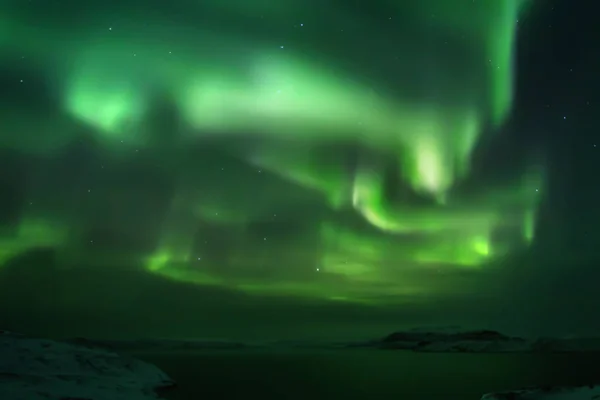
x=364 y=374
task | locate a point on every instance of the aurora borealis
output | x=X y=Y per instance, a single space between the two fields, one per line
x=326 y=151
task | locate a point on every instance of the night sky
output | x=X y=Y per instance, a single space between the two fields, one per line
x=298 y=168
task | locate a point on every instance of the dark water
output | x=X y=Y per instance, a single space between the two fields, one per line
x=363 y=374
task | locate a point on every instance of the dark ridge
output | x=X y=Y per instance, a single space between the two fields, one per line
x=422 y=337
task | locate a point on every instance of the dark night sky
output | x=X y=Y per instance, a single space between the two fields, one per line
x=298 y=169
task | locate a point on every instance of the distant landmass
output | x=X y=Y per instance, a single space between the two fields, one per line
x=483 y=341
x=41 y=369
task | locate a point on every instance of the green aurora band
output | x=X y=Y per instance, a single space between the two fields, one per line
x=286 y=78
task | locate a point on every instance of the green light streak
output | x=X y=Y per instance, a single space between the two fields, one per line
x=300 y=104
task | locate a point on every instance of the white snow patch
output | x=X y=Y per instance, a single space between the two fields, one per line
x=554 y=393
x=39 y=369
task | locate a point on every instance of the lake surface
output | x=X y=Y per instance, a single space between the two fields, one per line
x=363 y=373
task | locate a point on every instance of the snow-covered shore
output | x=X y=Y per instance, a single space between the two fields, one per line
x=548 y=393
x=40 y=369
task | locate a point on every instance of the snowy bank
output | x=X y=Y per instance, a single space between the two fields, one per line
x=39 y=369
x=551 y=393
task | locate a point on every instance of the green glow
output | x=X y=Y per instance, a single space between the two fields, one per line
x=31 y=233
x=529 y=226
x=104 y=101
x=381 y=159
